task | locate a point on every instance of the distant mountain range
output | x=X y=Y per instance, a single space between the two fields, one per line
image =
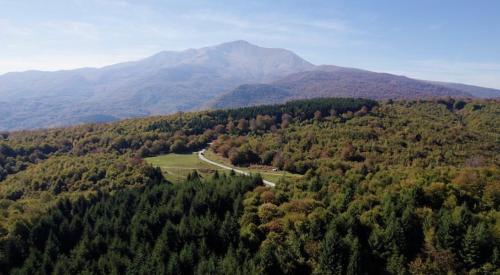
x=333 y=81
x=221 y=76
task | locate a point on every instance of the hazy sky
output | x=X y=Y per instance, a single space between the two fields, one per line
x=452 y=40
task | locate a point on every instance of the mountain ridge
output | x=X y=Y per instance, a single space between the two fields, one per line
x=172 y=81
x=334 y=81
x=162 y=83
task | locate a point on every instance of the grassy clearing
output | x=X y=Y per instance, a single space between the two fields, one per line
x=176 y=167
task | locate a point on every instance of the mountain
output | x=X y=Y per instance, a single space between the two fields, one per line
x=232 y=74
x=163 y=83
x=476 y=91
x=333 y=81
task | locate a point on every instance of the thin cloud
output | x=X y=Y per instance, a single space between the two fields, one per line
x=83 y=30
x=7 y=28
x=263 y=23
x=338 y=26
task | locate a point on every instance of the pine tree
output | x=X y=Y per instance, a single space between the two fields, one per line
x=51 y=253
x=445 y=232
x=396 y=264
x=354 y=266
x=331 y=257
x=159 y=256
x=139 y=261
x=187 y=259
x=229 y=263
x=268 y=264
x=470 y=248
x=173 y=264
x=495 y=257
x=207 y=267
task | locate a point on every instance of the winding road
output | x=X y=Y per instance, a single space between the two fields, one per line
x=202 y=157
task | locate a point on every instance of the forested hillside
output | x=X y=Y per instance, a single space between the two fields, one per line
x=404 y=187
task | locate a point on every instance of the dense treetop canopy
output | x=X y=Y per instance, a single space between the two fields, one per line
x=405 y=187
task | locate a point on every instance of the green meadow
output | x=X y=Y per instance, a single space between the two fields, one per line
x=176 y=167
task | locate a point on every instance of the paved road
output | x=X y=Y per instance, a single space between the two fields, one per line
x=203 y=158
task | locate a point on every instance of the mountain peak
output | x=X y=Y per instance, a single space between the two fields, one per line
x=166 y=82
x=245 y=45
x=237 y=43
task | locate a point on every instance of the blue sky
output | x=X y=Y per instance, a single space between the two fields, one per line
x=452 y=40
